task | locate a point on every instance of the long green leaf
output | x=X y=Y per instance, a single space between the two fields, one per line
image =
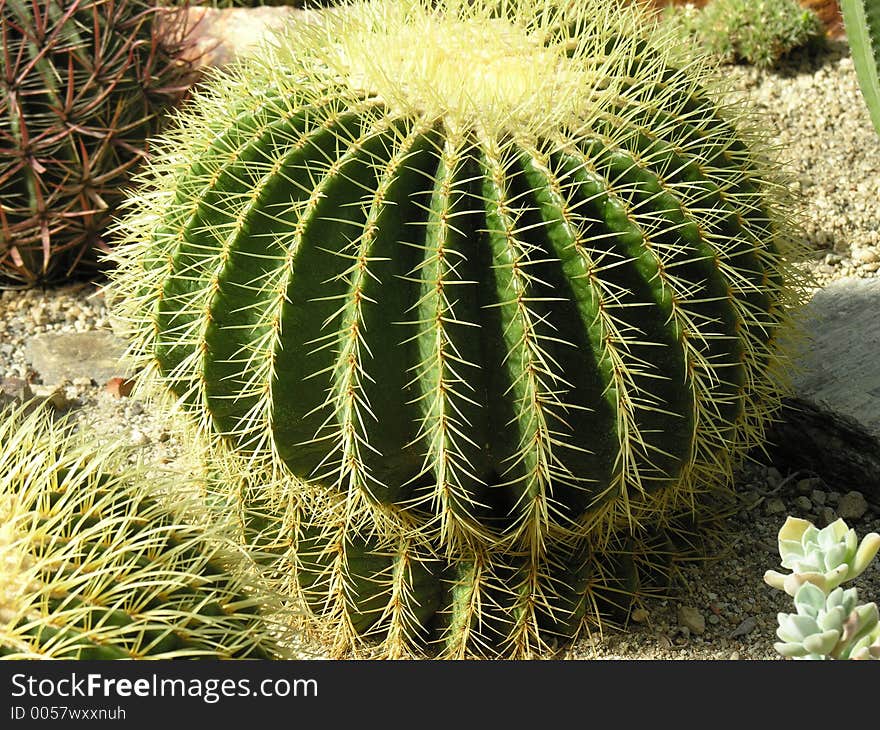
x=862 y=21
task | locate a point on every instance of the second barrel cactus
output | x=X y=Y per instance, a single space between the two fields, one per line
x=499 y=286
x=97 y=563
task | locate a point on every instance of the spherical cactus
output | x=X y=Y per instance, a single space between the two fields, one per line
x=83 y=86
x=501 y=283
x=95 y=565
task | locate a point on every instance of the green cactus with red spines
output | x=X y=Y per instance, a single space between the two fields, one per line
x=84 y=85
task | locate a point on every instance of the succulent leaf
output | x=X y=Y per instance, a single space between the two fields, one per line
x=826 y=557
x=867 y=550
x=825 y=610
x=821 y=643
x=810 y=600
x=793 y=649
x=867 y=647
x=862 y=21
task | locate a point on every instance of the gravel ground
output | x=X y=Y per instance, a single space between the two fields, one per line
x=722 y=609
x=813 y=104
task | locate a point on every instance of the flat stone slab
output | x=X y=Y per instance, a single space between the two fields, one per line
x=59 y=355
x=841 y=362
x=831 y=425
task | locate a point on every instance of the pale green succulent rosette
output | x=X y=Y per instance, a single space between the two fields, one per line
x=833 y=626
x=826 y=558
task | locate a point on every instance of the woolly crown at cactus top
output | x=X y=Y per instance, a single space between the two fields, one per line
x=497 y=288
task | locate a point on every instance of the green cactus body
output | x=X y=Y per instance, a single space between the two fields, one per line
x=93 y=564
x=492 y=297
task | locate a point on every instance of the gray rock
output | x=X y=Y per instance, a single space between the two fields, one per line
x=830 y=425
x=818 y=497
x=852 y=506
x=14 y=390
x=691 y=619
x=17 y=391
x=57 y=356
x=744 y=627
x=838 y=367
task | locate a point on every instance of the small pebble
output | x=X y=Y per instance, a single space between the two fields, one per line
x=852 y=506
x=803 y=503
x=806 y=486
x=119 y=387
x=744 y=627
x=139 y=438
x=774 y=506
x=826 y=516
x=864 y=256
x=639 y=615
x=690 y=618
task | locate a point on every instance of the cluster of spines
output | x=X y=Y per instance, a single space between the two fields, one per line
x=375 y=593
x=84 y=83
x=95 y=564
x=659 y=165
